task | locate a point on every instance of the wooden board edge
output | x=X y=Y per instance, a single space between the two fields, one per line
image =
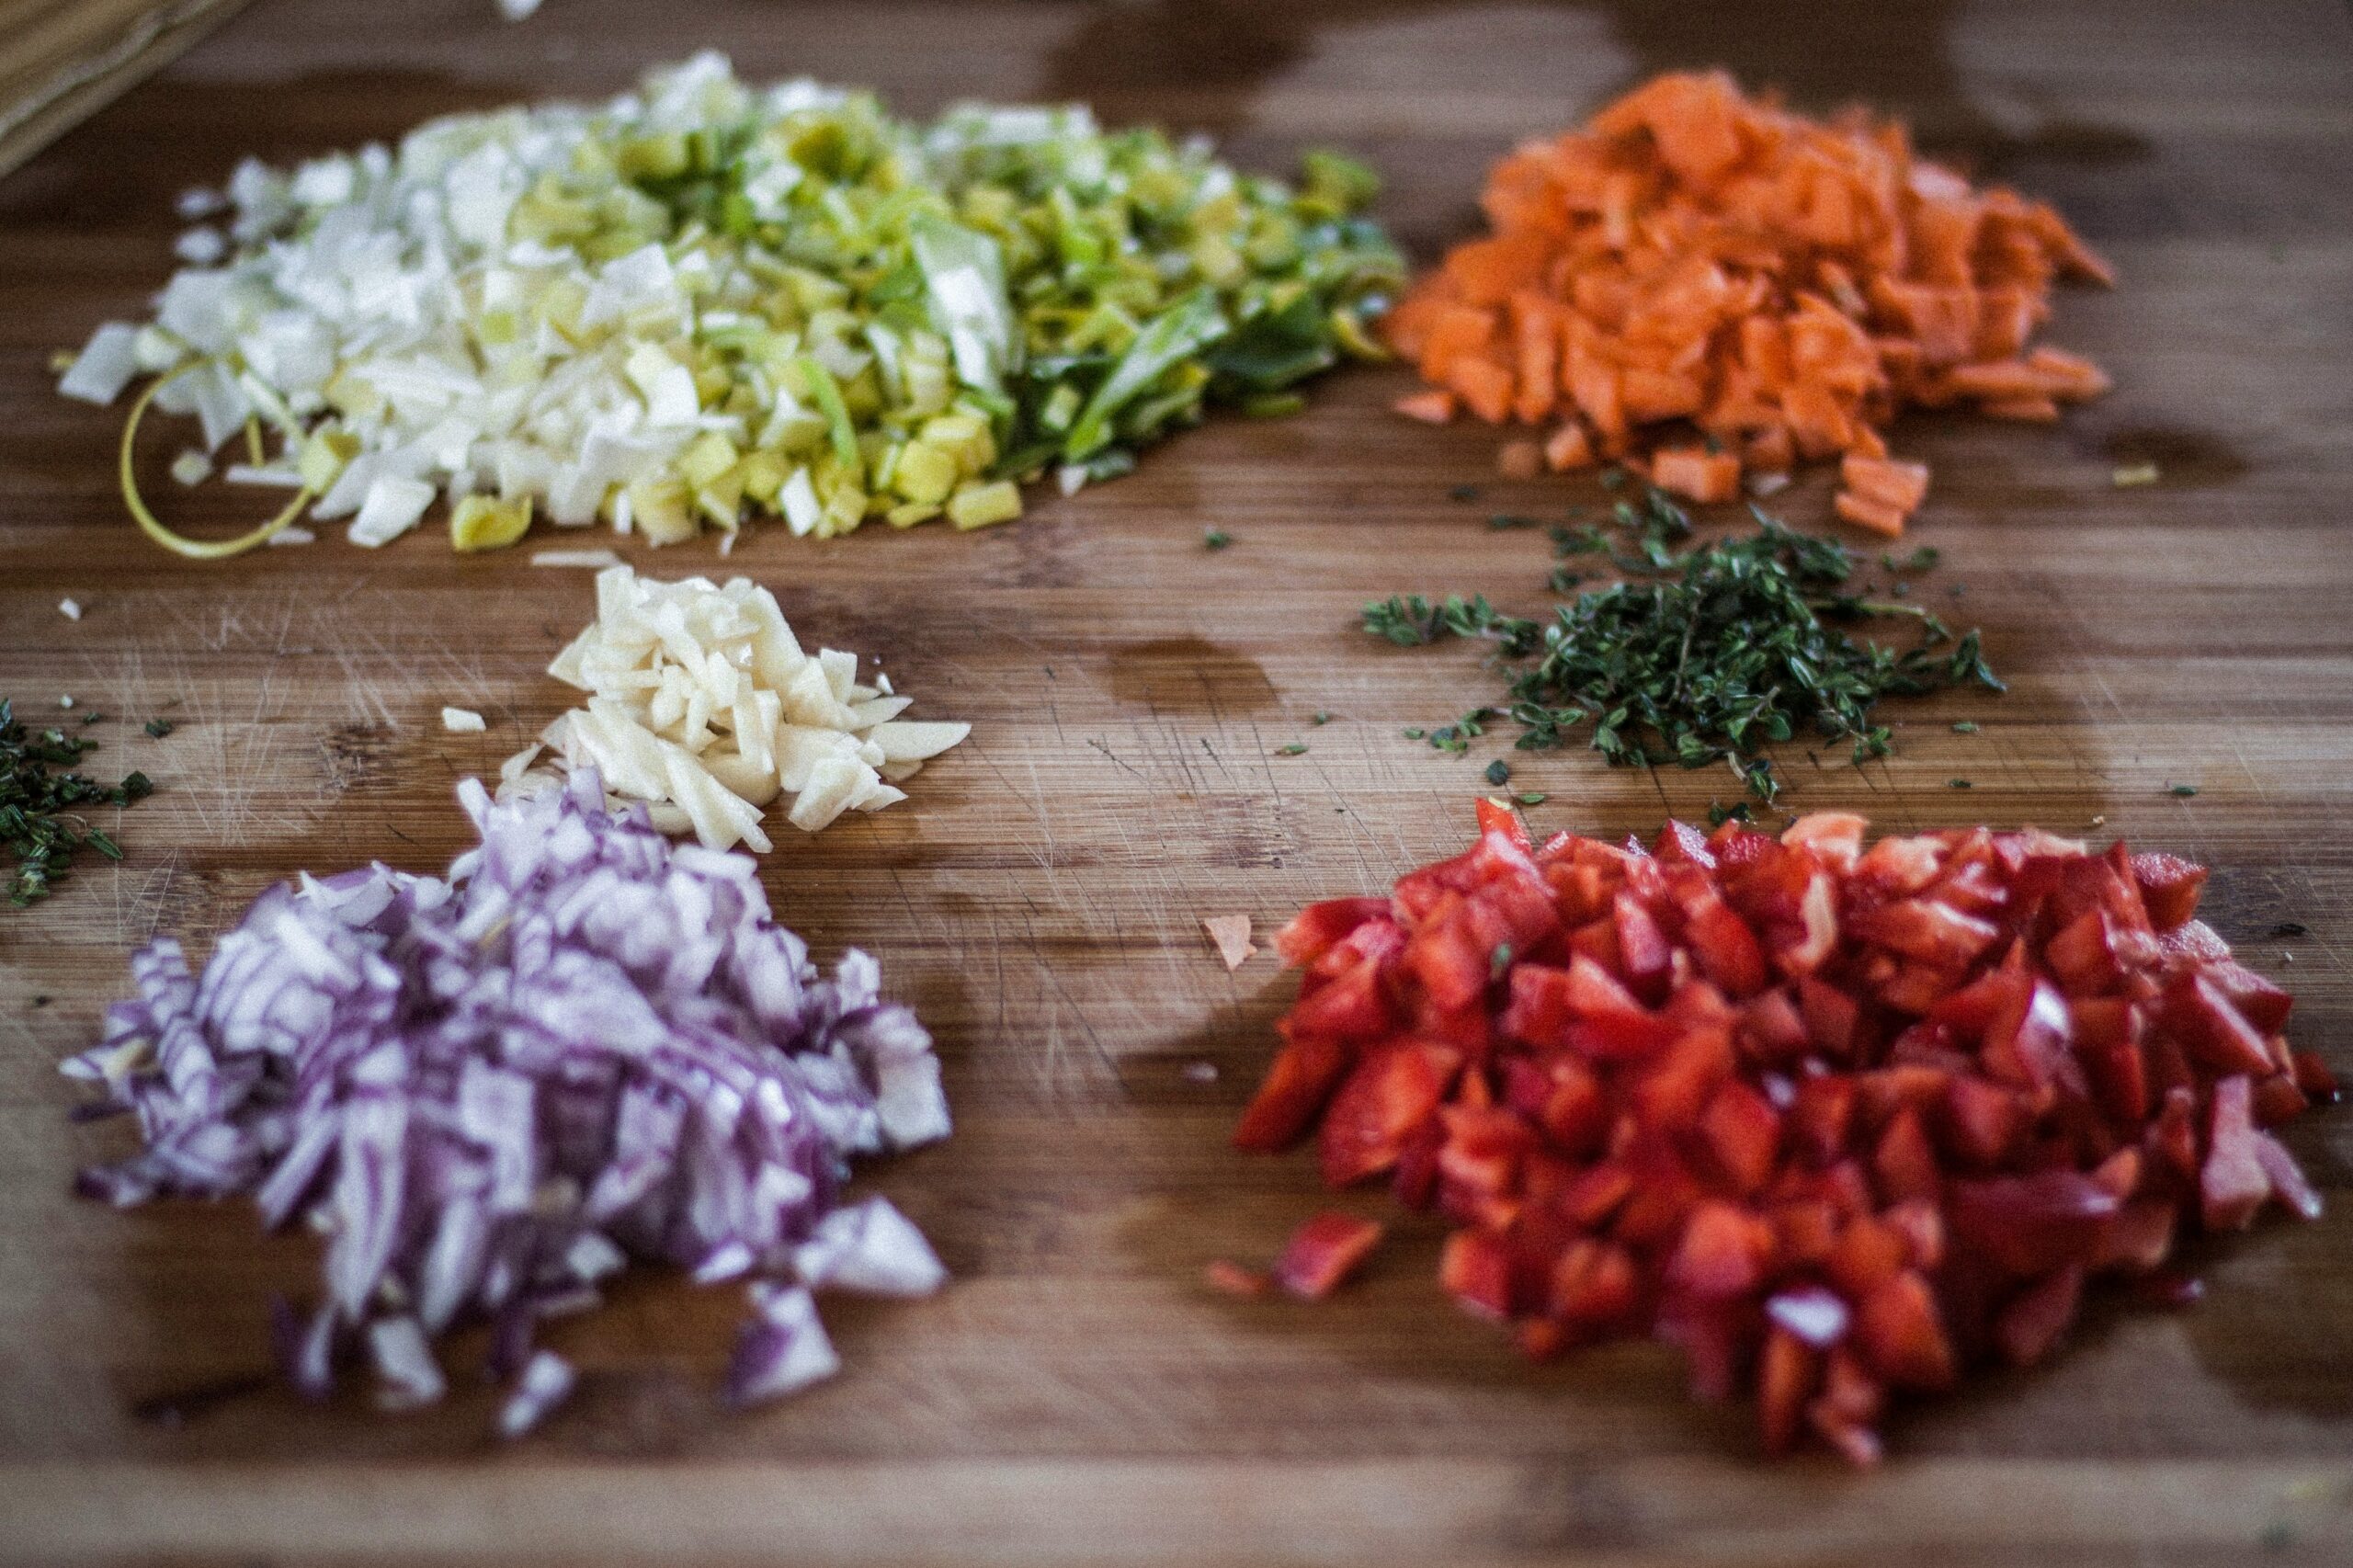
x=78 y=86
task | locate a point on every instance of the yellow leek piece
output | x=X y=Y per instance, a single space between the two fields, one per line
x=181 y=544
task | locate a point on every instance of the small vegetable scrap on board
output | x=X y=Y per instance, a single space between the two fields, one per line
x=1843 y=1123
x=703 y=706
x=1705 y=285
x=706 y=302
x=1698 y=657
x=490 y=1091
x=41 y=810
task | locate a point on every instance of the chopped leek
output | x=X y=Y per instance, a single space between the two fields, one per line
x=706 y=301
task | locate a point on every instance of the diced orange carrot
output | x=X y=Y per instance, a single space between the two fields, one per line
x=1770 y=451
x=1696 y=473
x=1786 y=284
x=1484 y=385
x=1568 y=449
x=1520 y=460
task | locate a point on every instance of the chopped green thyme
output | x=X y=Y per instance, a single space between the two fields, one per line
x=1415 y=734
x=1499 y=961
x=1410 y=621
x=1463 y=493
x=159 y=727
x=1718 y=814
x=1503 y=520
x=38 y=823
x=1320 y=718
x=1920 y=559
x=1294 y=749
x=1958 y=784
x=1965 y=727
x=2184 y=790
x=1499 y=772
x=1700 y=655
x=1532 y=798
x=1216 y=539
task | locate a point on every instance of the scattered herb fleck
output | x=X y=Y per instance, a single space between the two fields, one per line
x=1532 y=798
x=93 y=717
x=1320 y=718
x=1611 y=477
x=159 y=727
x=1965 y=727
x=1503 y=520
x=1720 y=814
x=2184 y=790
x=1416 y=735
x=1463 y=493
x=38 y=823
x=1499 y=772
x=2291 y=928
x=1216 y=539
x=1499 y=961
x=1958 y=784
x=1920 y=559
x=1294 y=749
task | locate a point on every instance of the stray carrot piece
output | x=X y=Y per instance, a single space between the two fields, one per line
x=1876 y=516
x=2033 y=409
x=1568 y=448
x=1236 y=1280
x=1520 y=460
x=1786 y=284
x=1900 y=486
x=1696 y=473
x=1433 y=407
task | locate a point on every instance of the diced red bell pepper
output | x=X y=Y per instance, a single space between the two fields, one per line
x=2039 y=1315
x=2169 y=888
x=1476 y=1269
x=1392 y=1090
x=1324 y=1251
x=1833 y=1120
x=2232 y=1182
x=1303 y=1075
x=1317 y=928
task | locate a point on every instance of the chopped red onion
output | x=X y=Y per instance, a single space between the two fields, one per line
x=543 y=1385
x=489 y=1091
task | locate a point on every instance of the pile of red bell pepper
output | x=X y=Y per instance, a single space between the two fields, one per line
x=1840 y=1121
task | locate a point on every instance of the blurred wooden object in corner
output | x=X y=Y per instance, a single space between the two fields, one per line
x=62 y=59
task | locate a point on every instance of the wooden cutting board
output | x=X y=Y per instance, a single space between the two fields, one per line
x=1078 y=1396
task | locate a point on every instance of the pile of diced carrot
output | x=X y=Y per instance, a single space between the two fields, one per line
x=1700 y=285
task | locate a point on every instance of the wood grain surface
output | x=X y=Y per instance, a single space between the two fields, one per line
x=1076 y=1396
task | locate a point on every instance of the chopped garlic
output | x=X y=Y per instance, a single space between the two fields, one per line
x=463 y=721
x=703 y=705
x=70 y=609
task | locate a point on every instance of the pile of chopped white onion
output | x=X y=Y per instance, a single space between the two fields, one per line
x=702 y=705
x=488 y=1092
